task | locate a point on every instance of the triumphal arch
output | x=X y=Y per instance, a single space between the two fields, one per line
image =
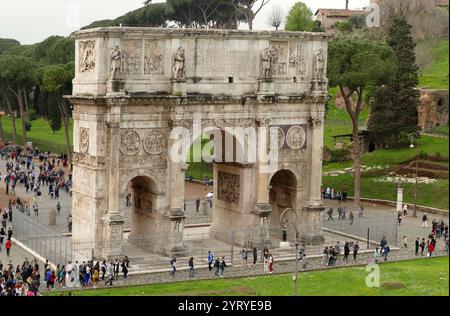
x=134 y=86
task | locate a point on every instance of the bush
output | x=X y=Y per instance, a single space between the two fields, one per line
x=340 y=155
x=33 y=116
x=28 y=126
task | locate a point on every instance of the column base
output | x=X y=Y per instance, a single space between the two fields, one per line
x=266 y=87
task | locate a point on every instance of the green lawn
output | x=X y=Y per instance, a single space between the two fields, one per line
x=41 y=134
x=435 y=74
x=433 y=195
x=428 y=277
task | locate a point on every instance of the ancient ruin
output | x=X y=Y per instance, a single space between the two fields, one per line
x=133 y=86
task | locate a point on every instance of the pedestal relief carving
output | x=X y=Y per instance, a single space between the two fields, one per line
x=84 y=140
x=131 y=64
x=87 y=56
x=296 y=137
x=130 y=143
x=154 y=143
x=229 y=187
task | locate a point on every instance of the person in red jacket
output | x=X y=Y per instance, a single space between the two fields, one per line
x=8 y=247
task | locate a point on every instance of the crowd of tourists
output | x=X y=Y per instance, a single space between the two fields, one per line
x=333 y=194
x=20 y=280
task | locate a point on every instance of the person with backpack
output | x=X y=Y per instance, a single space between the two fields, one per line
x=210 y=260
x=386 y=251
x=173 y=264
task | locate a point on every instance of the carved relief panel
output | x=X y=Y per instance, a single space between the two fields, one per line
x=84 y=140
x=297 y=59
x=153 y=58
x=130 y=142
x=228 y=187
x=280 y=58
x=86 y=56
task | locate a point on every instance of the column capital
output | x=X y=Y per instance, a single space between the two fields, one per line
x=316 y=121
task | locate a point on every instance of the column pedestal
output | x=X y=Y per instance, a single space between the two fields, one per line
x=175 y=246
x=113 y=236
x=266 y=87
x=263 y=211
x=178 y=87
x=115 y=87
x=312 y=233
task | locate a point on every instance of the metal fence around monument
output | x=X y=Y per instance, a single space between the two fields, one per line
x=369 y=230
x=60 y=249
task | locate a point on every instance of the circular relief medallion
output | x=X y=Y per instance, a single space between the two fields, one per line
x=296 y=137
x=281 y=138
x=84 y=140
x=130 y=142
x=154 y=143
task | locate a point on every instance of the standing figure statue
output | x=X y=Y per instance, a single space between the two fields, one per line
x=116 y=63
x=319 y=65
x=267 y=57
x=179 y=68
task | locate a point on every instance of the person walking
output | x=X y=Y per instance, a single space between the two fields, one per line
x=346 y=251
x=191 y=267
x=36 y=209
x=330 y=214
x=355 y=250
x=255 y=256
x=10 y=233
x=325 y=256
x=422 y=246
x=417 y=246
x=58 y=208
x=197 y=204
x=266 y=264
x=8 y=246
x=125 y=267
x=399 y=218
x=222 y=266
x=361 y=211
x=405 y=241
x=173 y=264
x=217 y=266
x=386 y=251
x=116 y=268
x=110 y=273
x=425 y=220
x=351 y=217
x=377 y=255
x=2 y=237
x=244 y=257
x=210 y=260
x=270 y=261
x=383 y=243
x=405 y=210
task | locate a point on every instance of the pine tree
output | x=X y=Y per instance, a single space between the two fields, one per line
x=394 y=106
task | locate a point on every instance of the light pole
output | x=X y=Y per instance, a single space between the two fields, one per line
x=284 y=222
x=413 y=137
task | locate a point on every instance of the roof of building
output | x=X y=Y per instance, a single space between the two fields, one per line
x=339 y=12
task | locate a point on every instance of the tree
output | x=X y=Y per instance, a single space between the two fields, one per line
x=208 y=8
x=247 y=8
x=6 y=44
x=356 y=64
x=299 y=18
x=18 y=74
x=394 y=106
x=57 y=80
x=276 y=17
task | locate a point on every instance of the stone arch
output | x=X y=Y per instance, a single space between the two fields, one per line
x=283 y=193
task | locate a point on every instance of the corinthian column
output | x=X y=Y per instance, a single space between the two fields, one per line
x=112 y=220
x=316 y=160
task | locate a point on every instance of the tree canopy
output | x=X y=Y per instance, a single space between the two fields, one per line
x=300 y=18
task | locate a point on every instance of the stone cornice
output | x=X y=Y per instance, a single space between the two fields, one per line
x=143 y=32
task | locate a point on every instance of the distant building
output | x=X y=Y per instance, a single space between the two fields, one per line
x=441 y=3
x=329 y=17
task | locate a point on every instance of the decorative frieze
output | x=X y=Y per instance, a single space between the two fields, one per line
x=88 y=160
